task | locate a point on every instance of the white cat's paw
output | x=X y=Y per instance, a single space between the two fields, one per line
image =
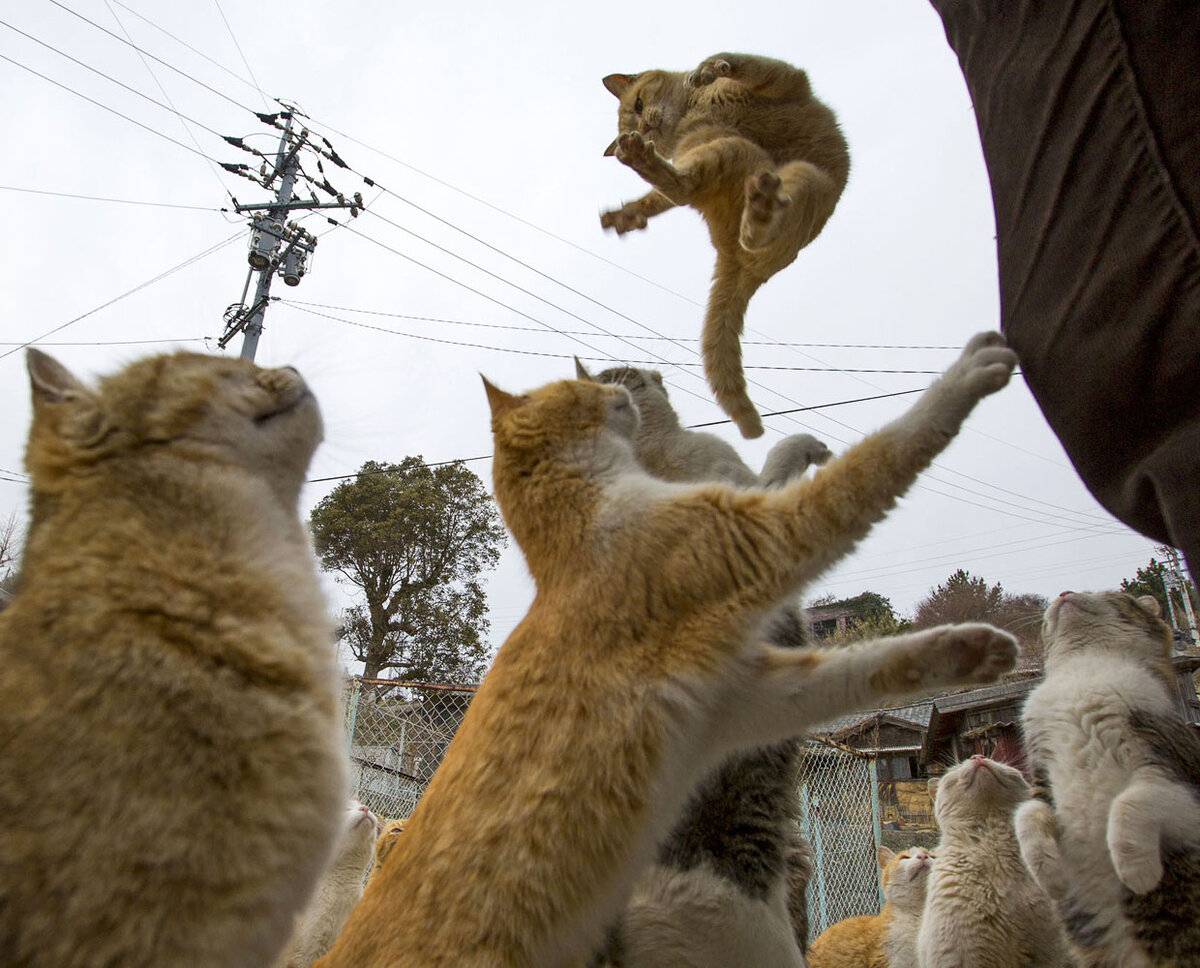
x=984 y=367
x=1037 y=836
x=791 y=457
x=708 y=72
x=1140 y=871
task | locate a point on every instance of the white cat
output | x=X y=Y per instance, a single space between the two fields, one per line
x=673 y=453
x=1118 y=795
x=982 y=909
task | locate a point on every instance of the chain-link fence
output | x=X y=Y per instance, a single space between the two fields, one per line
x=839 y=814
x=398 y=733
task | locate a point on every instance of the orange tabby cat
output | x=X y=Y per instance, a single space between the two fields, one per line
x=171 y=769
x=861 y=942
x=742 y=140
x=638 y=669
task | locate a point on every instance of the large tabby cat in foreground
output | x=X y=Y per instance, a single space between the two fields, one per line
x=742 y=140
x=171 y=774
x=1113 y=833
x=636 y=670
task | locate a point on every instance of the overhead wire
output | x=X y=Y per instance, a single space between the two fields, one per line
x=100 y=198
x=241 y=53
x=149 y=282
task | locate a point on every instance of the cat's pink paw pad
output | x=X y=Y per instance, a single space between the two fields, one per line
x=765 y=202
x=634 y=150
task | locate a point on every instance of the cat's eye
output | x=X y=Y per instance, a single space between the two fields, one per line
x=637 y=106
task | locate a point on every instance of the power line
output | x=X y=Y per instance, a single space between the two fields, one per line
x=241 y=53
x=121 y=84
x=122 y=201
x=105 y=342
x=146 y=53
x=144 y=127
x=149 y=282
x=679 y=339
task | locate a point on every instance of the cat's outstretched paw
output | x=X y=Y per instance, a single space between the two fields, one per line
x=708 y=71
x=764 y=209
x=791 y=457
x=636 y=152
x=949 y=655
x=984 y=367
x=628 y=218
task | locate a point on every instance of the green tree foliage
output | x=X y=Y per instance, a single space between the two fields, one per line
x=1151 y=580
x=869 y=615
x=414 y=540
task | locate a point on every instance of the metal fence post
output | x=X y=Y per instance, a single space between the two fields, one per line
x=875 y=816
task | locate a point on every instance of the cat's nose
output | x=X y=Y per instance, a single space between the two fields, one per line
x=1063 y=594
x=978 y=758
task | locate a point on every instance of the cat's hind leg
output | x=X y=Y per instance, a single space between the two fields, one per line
x=789 y=206
x=789 y=690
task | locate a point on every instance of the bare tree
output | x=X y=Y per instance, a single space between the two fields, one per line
x=11 y=539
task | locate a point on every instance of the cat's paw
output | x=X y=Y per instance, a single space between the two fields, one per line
x=1139 y=870
x=635 y=151
x=708 y=71
x=791 y=457
x=949 y=655
x=984 y=367
x=628 y=218
x=763 y=210
x=1037 y=837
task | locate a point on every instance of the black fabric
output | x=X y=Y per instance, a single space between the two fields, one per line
x=1088 y=116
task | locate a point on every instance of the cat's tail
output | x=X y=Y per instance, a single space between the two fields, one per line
x=721 y=347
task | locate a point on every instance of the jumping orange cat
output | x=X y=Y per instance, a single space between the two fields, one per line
x=742 y=140
x=638 y=669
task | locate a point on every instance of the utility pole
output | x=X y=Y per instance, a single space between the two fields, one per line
x=277 y=246
x=1173 y=579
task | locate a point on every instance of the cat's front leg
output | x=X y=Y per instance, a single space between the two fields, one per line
x=634 y=215
x=791 y=457
x=1037 y=837
x=789 y=690
x=640 y=155
x=1150 y=808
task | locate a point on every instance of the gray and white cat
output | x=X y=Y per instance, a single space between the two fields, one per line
x=982 y=908
x=1113 y=833
x=672 y=452
x=723 y=889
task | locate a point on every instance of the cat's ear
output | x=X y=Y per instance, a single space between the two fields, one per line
x=581 y=372
x=884 y=856
x=1150 y=604
x=616 y=84
x=498 y=400
x=611 y=149
x=933 y=785
x=50 y=381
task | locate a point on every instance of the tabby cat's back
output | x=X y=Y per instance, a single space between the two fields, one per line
x=171 y=776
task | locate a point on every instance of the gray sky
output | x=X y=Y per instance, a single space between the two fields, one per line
x=486 y=124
